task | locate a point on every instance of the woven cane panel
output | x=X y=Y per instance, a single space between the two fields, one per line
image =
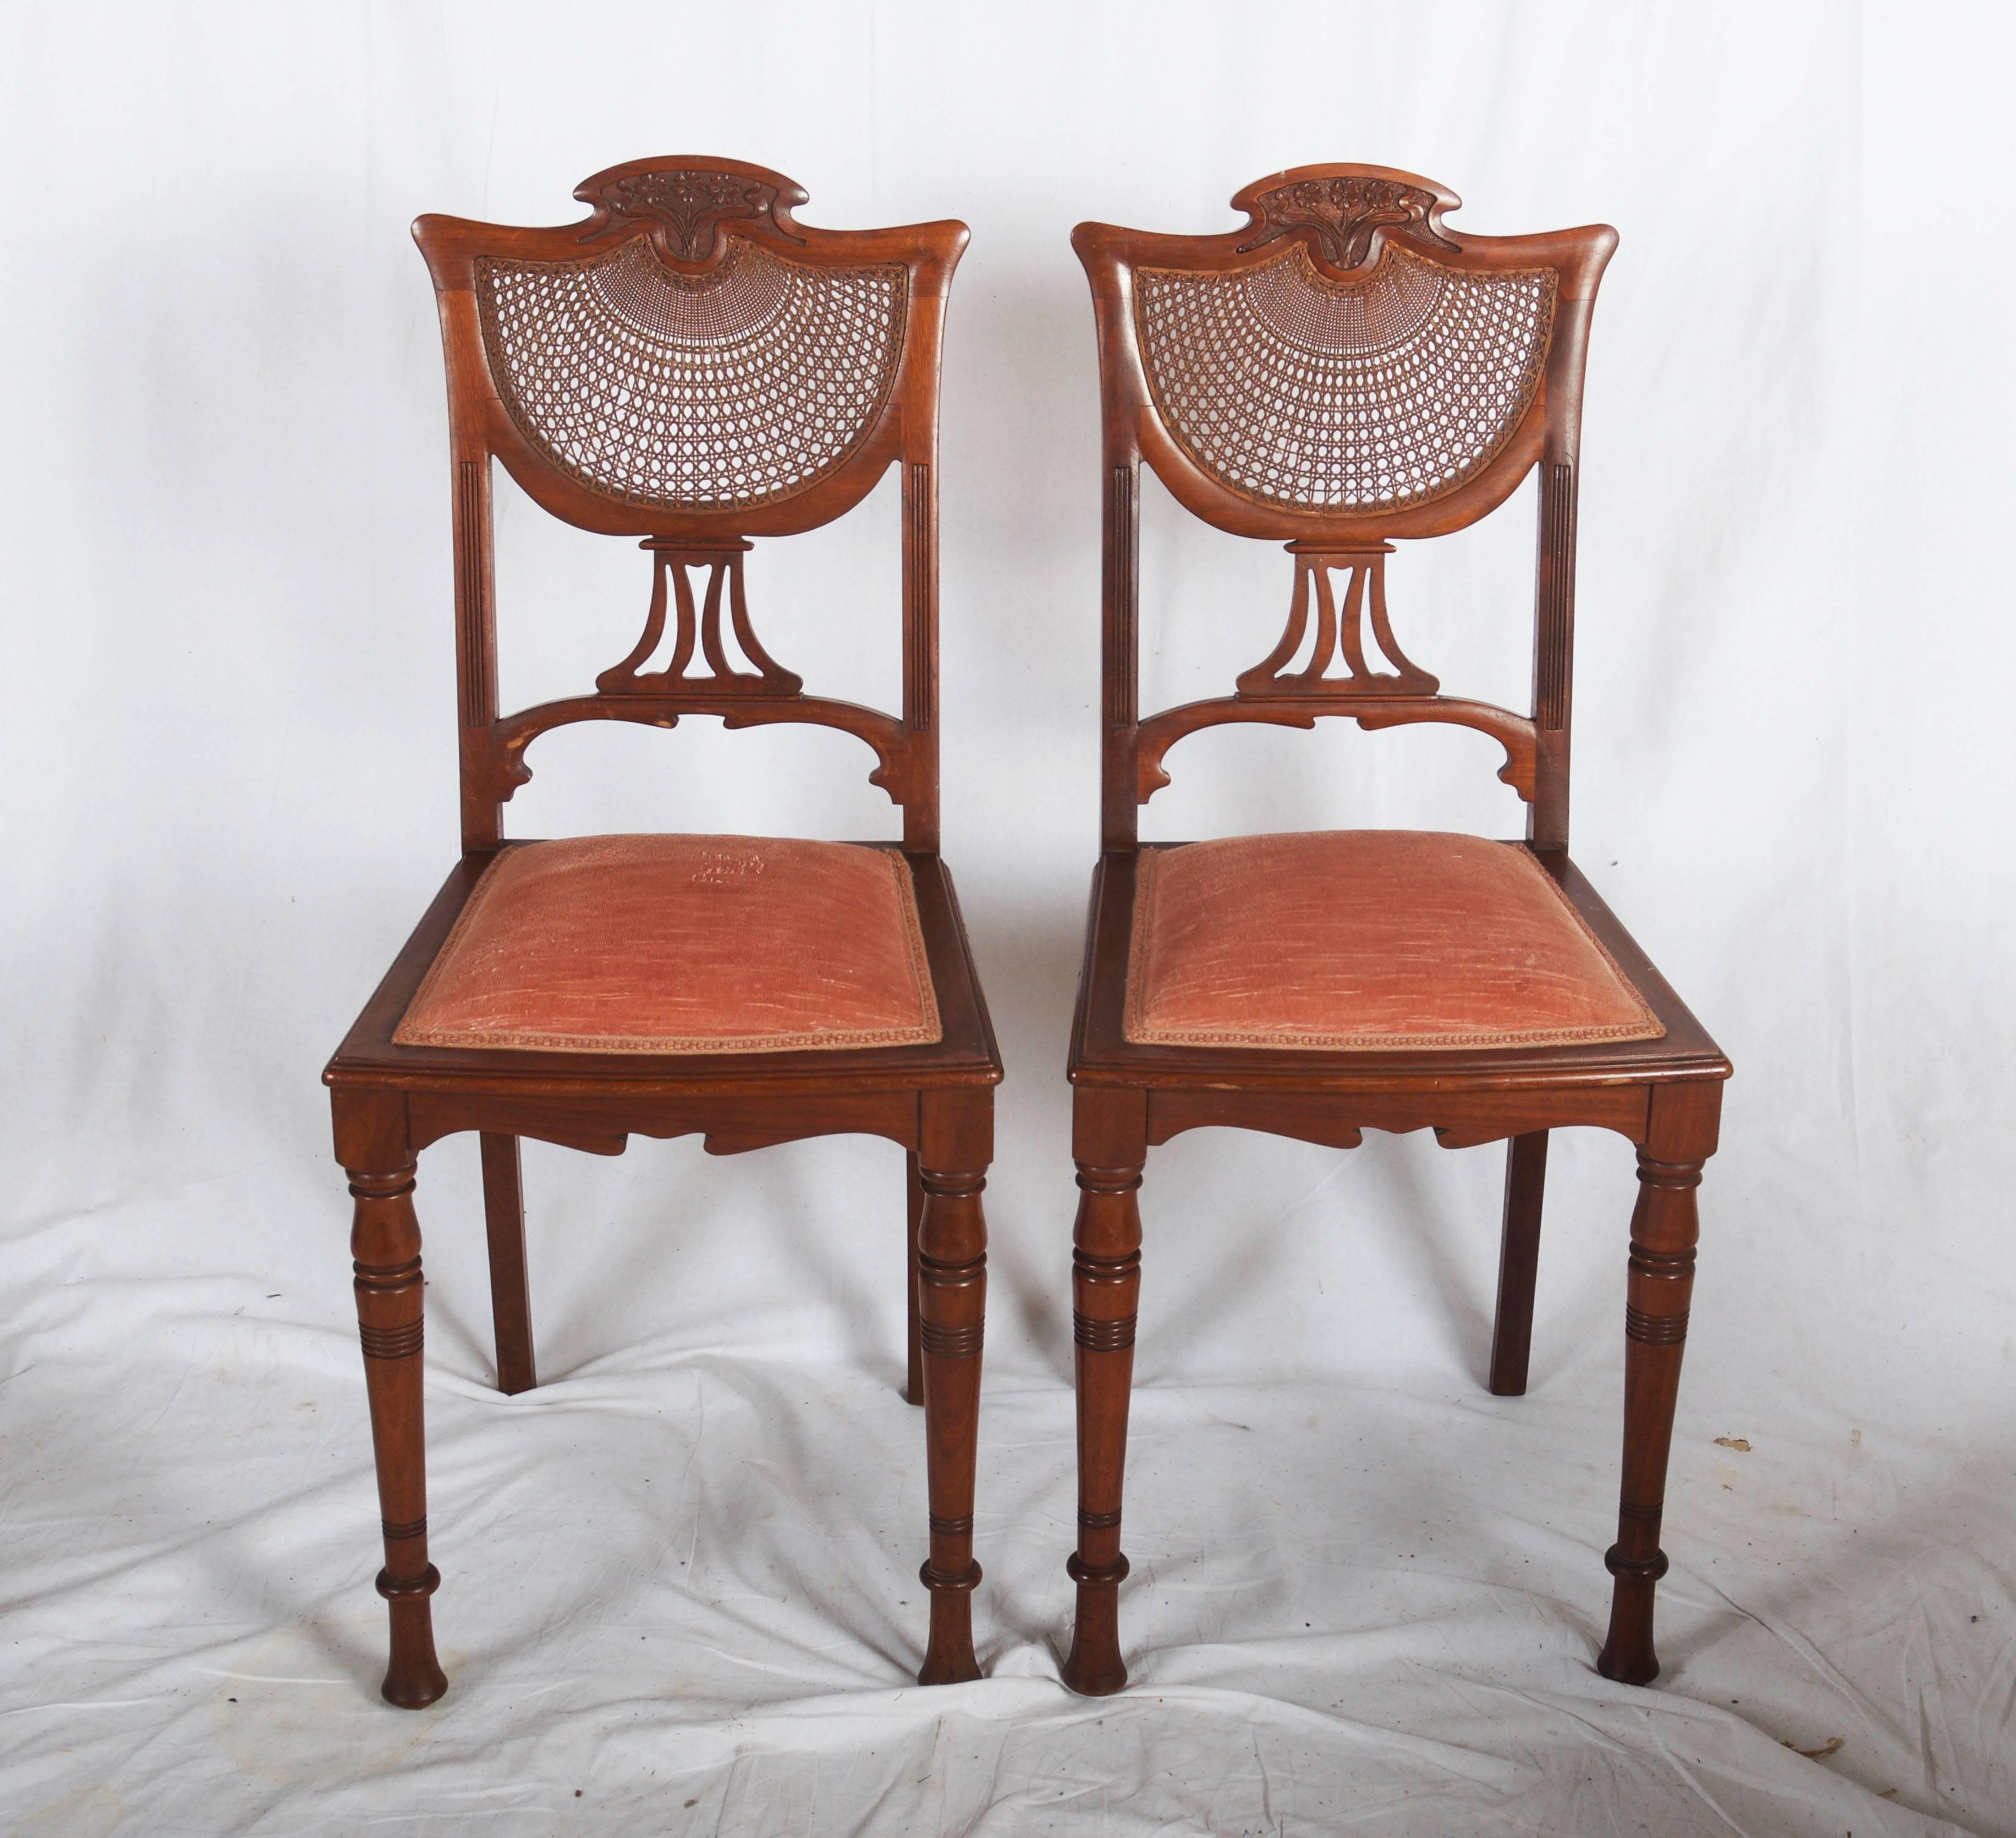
x=1298 y=391
x=730 y=388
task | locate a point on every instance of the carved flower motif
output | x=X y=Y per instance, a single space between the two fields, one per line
x=690 y=204
x=1344 y=213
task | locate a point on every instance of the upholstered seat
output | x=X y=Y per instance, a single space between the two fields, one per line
x=1367 y=940
x=681 y=944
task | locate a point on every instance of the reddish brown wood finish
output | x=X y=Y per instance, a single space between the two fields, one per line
x=1663 y=1094
x=914 y=1388
x=510 y=1281
x=935 y=1101
x=1519 y=1262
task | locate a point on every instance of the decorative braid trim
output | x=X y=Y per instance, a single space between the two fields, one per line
x=1135 y=1027
x=928 y=1029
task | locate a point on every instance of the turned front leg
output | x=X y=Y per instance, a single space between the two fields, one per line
x=1664 y=1226
x=1106 y=1289
x=952 y=1294
x=385 y=1242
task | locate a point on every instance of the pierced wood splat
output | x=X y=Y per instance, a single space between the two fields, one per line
x=746 y=686
x=1274 y=692
x=703 y=630
x=1339 y=631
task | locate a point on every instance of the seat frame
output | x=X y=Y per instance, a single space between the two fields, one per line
x=1664 y=1095
x=389 y=1101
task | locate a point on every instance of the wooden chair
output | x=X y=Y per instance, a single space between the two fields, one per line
x=1342 y=373
x=691 y=367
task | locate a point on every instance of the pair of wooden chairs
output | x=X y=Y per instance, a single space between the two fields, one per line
x=692 y=367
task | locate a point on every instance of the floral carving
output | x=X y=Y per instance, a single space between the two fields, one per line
x=1344 y=213
x=690 y=205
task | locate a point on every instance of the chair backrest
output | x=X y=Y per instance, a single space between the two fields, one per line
x=691 y=366
x=1342 y=371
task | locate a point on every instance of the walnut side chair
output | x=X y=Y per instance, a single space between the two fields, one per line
x=690 y=367
x=1342 y=373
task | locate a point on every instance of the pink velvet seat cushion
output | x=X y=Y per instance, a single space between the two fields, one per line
x=1367 y=940
x=682 y=944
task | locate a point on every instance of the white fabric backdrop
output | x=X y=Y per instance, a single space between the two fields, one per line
x=679 y=1588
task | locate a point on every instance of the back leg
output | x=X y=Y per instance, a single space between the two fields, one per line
x=1519 y=1262
x=510 y=1288
x=913 y=1390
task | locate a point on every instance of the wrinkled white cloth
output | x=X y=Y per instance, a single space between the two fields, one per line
x=679 y=1578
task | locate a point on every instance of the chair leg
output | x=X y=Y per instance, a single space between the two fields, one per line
x=1519 y=1262
x=951 y=1266
x=1106 y=1289
x=385 y=1242
x=913 y=1390
x=510 y=1281
x=1665 y=1226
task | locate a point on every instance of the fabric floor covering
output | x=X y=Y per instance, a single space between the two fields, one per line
x=680 y=1578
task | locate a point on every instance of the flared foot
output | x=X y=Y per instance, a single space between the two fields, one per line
x=413 y=1679
x=949 y=1659
x=1628 y=1657
x=1095 y=1668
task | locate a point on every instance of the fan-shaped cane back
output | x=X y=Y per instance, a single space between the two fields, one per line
x=716 y=390
x=691 y=367
x=1293 y=389
x=1341 y=374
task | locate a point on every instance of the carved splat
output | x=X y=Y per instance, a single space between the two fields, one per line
x=1274 y=692
x=673 y=583
x=687 y=206
x=1339 y=631
x=1344 y=214
x=740 y=683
